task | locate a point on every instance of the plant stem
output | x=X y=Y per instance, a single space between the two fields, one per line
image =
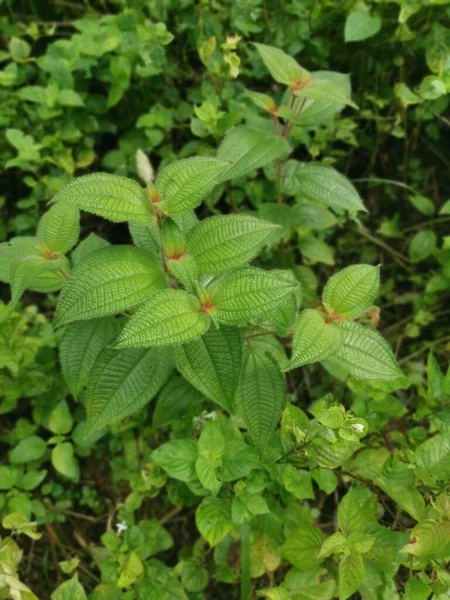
x=245 y=562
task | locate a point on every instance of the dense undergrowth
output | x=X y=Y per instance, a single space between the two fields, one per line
x=236 y=481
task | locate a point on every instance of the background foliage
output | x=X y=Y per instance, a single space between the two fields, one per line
x=90 y=86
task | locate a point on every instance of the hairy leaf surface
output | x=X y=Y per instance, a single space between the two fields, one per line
x=113 y=197
x=224 y=242
x=167 y=318
x=80 y=347
x=351 y=291
x=122 y=382
x=260 y=394
x=174 y=401
x=59 y=228
x=365 y=354
x=108 y=281
x=323 y=184
x=212 y=363
x=314 y=339
x=248 y=149
x=247 y=293
x=184 y=183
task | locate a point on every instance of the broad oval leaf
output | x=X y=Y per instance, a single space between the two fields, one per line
x=247 y=293
x=351 y=575
x=248 y=149
x=365 y=354
x=281 y=66
x=324 y=89
x=80 y=347
x=323 y=184
x=302 y=548
x=23 y=247
x=429 y=539
x=59 y=228
x=113 y=197
x=213 y=519
x=212 y=364
x=174 y=401
x=224 y=242
x=37 y=270
x=361 y=25
x=351 y=291
x=314 y=339
x=177 y=458
x=260 y=394
x=109 y=281
x=433 y=456
x=183 y=184
x=122 y=382
x=315 y=112
x=167 y=318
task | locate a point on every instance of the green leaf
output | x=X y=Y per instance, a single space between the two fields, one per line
x=423 y=204
x=108 y=281
x=64 y=461
x=177 y=458
x=314 y=339
x=422 y=245
x=429 y=539
x=433 y=456
x=281 y=66
x=145 y=236
x=316 y=250
x=168 y=318
x=183 y=184
x=90 y=244
x=324 y=89
x=296 y=481
x=262 y=100
x=312 y=216
x=19 y=49
x=59 y=228
x=60 y=420
x=315 y=584
x=213 y=519
x=260 y=394
x=70 y=98
x=115 y=198
x=351 y=291
x=174 y=401
x=122 y=382
x=360 y=26
x=70 y=590
x=224 y=242
x=80 y=347
x=8 y=477
x=248 y=292
x=351 y=575
x=302 y=548
x=212 y=364
x=333 y=544
x=32 y=271
x=365 y=354
x=193 y=577
x=416 y=590
x=357 y=510
x=248 y=149
x=238 y=461
x=28 y=450
x=323 y=184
